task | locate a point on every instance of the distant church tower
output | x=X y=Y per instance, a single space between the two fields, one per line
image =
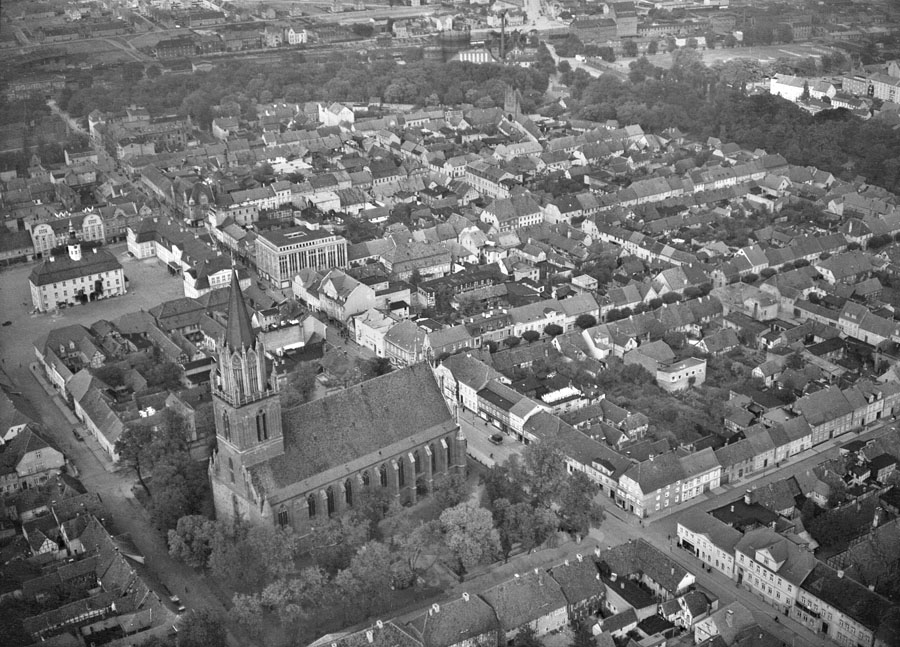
x=512 y=103
x=247 y=412
x=73 y=244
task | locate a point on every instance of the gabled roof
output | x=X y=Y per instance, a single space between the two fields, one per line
x=641 y=557
x=453 y=622
x=524 y=599
x=578 y=579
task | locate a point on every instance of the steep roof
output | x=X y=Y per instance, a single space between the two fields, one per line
x=322 y=438
x=641 y=557
x=455 y=621
x=524 y=599
x=239 y=332
x=579 y=580
x=849 y=597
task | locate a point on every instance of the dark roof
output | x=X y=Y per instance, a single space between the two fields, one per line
x=578 y=579
x=524 y=599
x=239 y=333
x=455 y=621
x=62 y=268
x=641 y=557
x=400 y=408
x=846 y=595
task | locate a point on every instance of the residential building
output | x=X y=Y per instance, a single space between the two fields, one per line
x=27 y=460
x=532 y=599
x=772 y=567
x=709 y=539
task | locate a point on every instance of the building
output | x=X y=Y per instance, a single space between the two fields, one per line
x=772 y=567
x=27 y=461
x=301 y=466
x=532 y=599
x=467 y=621
x=681 y=375
x=54 y=233
x=710 y=540
x=61 y=281
x=282 y=253
x=838 y=607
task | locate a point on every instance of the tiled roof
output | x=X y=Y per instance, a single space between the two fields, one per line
x=360 y=421
x=849 y=597
x=456 y=621
x=524 y=599
x=579 y=580
x=640 y=557
x=720 y=534
x=63 y=268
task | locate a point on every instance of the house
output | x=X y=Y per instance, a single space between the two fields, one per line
x=467 y=621
x=709 y=539
x=27 y=460
x=581 y=585
x=681 y=375
x=772 y=567
x=727 y=623
x=828 y=413
x=381 y=634
x=838 y=607
x=461 y=377
x=641 y=562
x=534 y=599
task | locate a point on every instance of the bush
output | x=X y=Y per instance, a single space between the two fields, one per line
x=531 y=336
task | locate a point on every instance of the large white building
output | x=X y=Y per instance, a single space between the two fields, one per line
x=76 y=278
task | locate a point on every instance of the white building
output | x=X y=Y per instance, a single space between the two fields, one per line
x=76 y=278
x=710 y=540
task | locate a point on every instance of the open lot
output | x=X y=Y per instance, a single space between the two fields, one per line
x=768 y=54
x=149 y=284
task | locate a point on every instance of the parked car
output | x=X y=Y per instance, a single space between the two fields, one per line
x=177 y=602
x=497 y=439
x=77 y=435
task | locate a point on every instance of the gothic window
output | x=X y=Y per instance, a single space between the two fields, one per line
x=433 y=459
x=418 y=462
x=283 y=517
x=311 y=505
x=329 y=499
x=231 y=469
x=237 y=370
x=348 y=492
x=382 y=475
x=449 y=455
x=262 y=431
x=365 y=478
x=252 y=371
x=226 y=426
x=401 y=473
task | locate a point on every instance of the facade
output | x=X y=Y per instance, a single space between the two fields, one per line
x=302 y=466
x=772 y=567
x=56 y=232
x=681 y=375
x=76 y=278
x=710 y=540
x=282 y=253
x=27 y=461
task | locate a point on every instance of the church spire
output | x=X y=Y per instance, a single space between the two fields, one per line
x=239 y=332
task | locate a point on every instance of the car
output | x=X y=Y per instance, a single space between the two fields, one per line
x=497 y=439
x=174 y=599
x=77 y=435
x=7 y=323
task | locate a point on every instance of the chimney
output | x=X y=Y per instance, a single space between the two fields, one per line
x=566 y=562
x=597 y=551
x=747 y=495
x=673 y=571
x=872 y=587
x=465 y=596
x=729 y=618
x=379 y=624
x=579 y=557
x=622 y=585
x=612 y=577
x=840 y=573
x=518 y=578
x=436 y=607
x=876 y=519
x=732 y=507
x=651 y=458
x=370 y=636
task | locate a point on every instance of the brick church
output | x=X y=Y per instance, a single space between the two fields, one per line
x=299 y=466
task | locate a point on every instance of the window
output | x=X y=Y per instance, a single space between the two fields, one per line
x=348 y=492
x=382 y=475
x=282 y=517
x=226 y=426
x=262 y=431
x=231 y=468
x=311 y=506
x=365 y=479
x=329 y=500
x=401 y=473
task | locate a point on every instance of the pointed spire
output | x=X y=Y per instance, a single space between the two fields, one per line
x=239 y=332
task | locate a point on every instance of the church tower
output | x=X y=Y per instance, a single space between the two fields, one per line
x=247 y=411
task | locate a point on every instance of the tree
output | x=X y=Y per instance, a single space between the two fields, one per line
x=527 y=637
x=671 y=297
x=630 y=48
x=333 y=544
x=577 y=507
x=470 y=535
x=300 y=385
x=111 y=374
x=131 y=447
x=804 y=96
x=512 y=341
x=583 y=636
x=450 y=490
x=521 y=523
x=564 y=67
x=277 y=548
x=653 y=47
x=202 y=628
x=531 y=336
x=380 y=366
x=545 y=473
x=179 y=485
x=553 y=330
x=191 y=540
x=585 y=321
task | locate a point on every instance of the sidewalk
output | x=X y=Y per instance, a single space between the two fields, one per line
x=87 y=438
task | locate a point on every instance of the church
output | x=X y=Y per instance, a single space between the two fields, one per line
x=300 y=466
